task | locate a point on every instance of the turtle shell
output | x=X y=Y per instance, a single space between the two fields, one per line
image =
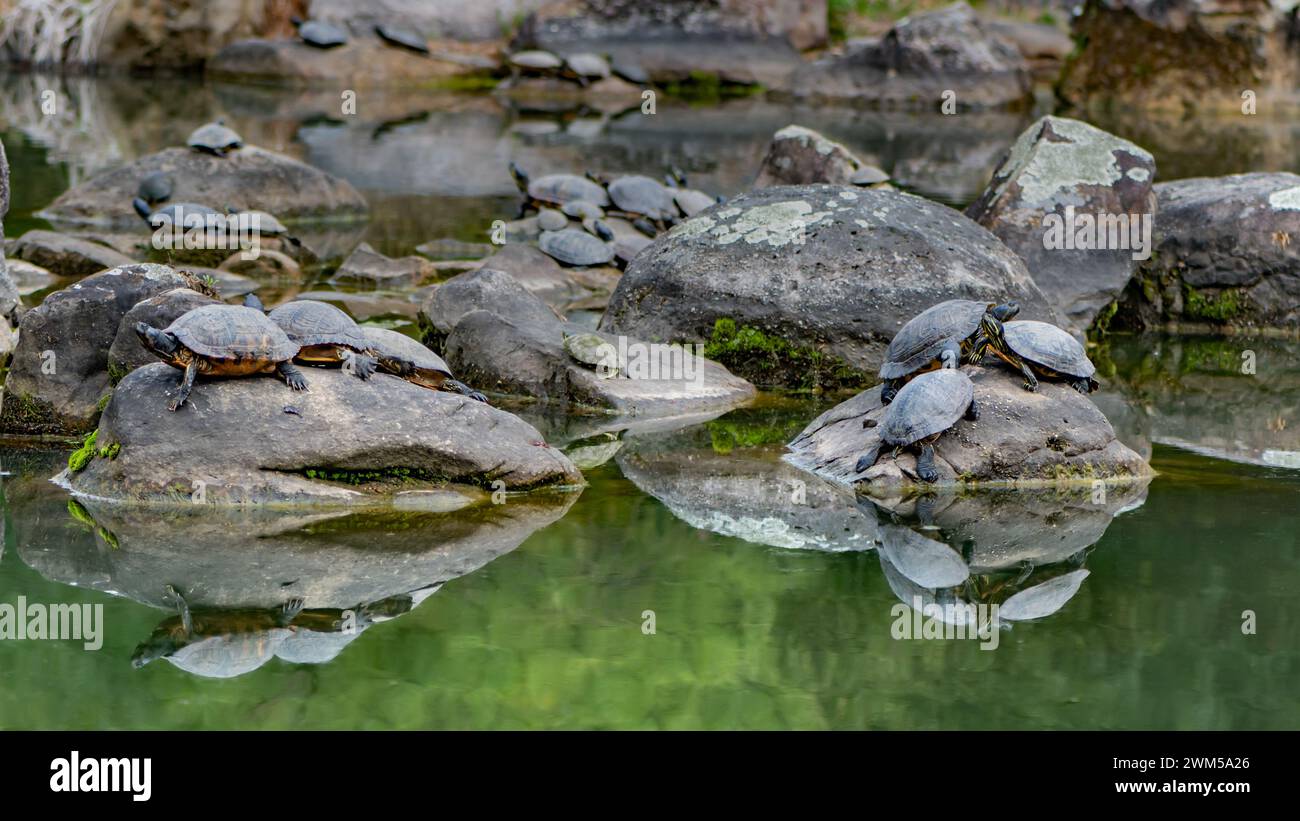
x=179 y=213
x=929 y=404
x=928 y=562
x=590 y=66
x=1049 y=346
x=921 y=340
x=214 y=137
x=582 y=210
x=590 y=349
x=310 y=322
x=574 y=247
x=562 y=188
x=536 y=59
x=691 y=201
x=322 y=35
x=232 y=332
x=400 y=346
x=267 y=224
x=636 y=194
x=403 y=38
x=548 y=219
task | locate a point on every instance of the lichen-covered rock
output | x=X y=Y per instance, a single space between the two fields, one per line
x=1079 y=173
x=1223 y=256
x=344 y=442
x=247 y=179
x=59 y=371
x=821 y=276
x=918 y=61
x=66 y=256
x=1054 y=435
x=801 y=156
x=126 y=353
x=1177 y=54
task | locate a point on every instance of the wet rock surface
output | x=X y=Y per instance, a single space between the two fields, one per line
x=64 y=255
x=801 y=156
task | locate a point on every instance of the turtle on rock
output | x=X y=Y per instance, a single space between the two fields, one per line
x=222 y=341
x=402 y=38
x=319 y=34
x=942 y=336
x=575 y=247
x=155 y=188
x=923 y=409
x=1047 y=351
x=427 y=369
x=557 y=189
x=326 y=336
x=215 y=138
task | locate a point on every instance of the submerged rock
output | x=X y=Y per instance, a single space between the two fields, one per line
x=366 y=266
x=249 y=178
x=804 y=286
x=1086 y=178
x=801 y=156
x=344 y=441
x=66 y=256
x=1052 y=436
x=918 y=62
x=1223 y=256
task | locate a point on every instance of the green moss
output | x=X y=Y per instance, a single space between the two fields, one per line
x=729 y=433
x=79 y=513
x=117 y=372
x=771 y=362
x=709 y=87
x=463 y=82
x=81 y=457
x=1224 y=306
x=110 y=452
x=103 y=402
x=1101 y=325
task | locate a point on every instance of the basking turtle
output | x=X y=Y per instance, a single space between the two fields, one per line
x=548 y=219
x=594 y=351
x=402 y=38
x=319 y=34
x=574 y=247
x=263 y=224
x=535 y=62
x=558 y=189
x=155 y=188
x=215 y=138
x=939 y=337
x=636 y=195
x=326 y=336
x=586 y=67
x=1047 y=351
x=401 y=355
x=222 y=340
x=582 y=210
x=177 y=214
x=923 y=409
x=692 y=202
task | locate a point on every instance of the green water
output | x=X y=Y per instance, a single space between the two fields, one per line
x=770 y=610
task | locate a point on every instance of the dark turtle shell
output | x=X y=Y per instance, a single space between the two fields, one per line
x=155 y=187
x=574 y=247
x=929 y=404
x=1045 y=344
x=232 y=332
x=393 y=345
x=562 y=188
x=322 y=35
x=403 y=38
x=214 y=137
x=636 y=194
x=310 y=322
x=921 y=340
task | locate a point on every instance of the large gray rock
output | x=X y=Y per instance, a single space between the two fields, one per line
x=250 y=178
x=503 y=339
x=539 y=273
x=801 y=156
x=917 y=61
x=828 y=273
x=364 y=62
x=8 y=291
x=367 y=267
x=66 y=256
x=1223 y=256
x=59 y=371
x=1071 y=169
x=126 y=353
x=344 y=442
x=1052 y=436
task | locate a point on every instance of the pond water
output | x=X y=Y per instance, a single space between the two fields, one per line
x=772 y=596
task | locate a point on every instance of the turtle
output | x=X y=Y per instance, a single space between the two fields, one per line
x=263 y=224
x=326 y=336
x=586 y=67
x=1046 y=350
x=155 y=188
x=868 y=175
x=177 y=214
x=692 y=202
x=319 y=34
x=548 y=219
x=222 y=340
x=582 y=210
x=402 y=356
x=599 y=228
x=923 y=409
x=940 y=337
x=557 y=189
x=574 y=247
x=218 y=643
x=534 y=62
x=636 y=195
x=592 y=350
x=402 y=38
x=215 y=138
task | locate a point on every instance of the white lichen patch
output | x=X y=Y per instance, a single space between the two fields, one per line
x=1138 y=173
x=694 y=227
x=848 y=195
x=1288 y=199
x=777 y=224
x=1086 y=155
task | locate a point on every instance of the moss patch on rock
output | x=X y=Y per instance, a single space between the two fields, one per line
x=771 y=362
x=1222 y=306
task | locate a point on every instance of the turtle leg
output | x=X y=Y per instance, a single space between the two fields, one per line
x=1031 y=381
x=187 y=384
x=950 y=356
x=460 y=387
x=1083 y=386
x=868 y=459
x=973 y=412
x=290 y=610
x=978 y=347
x=291 y=375
x=183 y=609
x=361 y=365
x=925 y=463
x=888 y=391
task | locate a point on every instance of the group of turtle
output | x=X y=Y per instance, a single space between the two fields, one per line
x=323 y=35
x=926 y=393
x=565 y=201
x=582 y=68
x=243 y=340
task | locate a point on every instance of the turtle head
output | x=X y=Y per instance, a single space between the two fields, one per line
x=518 y=175
x=1006 y=311
x=296 y=21
x=142 y=208
x=160 y=343
x=991 y=322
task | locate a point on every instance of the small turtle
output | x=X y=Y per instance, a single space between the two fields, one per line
x=574 y=247
x=636 y=195
x=594 y=351
x=263 y=224
x=923 y=409
x=319 y=34
x=582 y=210
x=177 y=214
x=1047 y=351
x=402 y=356
x=155 y=188
x=548 y=219
x=940 y=337
x=557 y=189
x=402 y=38
x=692 y=202
x=586 y=67
x=215 y=138
x=535 y=62
x=222 y=340
x=326 y=336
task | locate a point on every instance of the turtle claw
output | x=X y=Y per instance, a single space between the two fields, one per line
x=1032 y=387
x=1082 y=386
x=175 y=404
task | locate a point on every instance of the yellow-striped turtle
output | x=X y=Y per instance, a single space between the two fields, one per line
x=923 y=409
x=326 y=336
x=1047 y=351
x=942 y=336
x=222 y=341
